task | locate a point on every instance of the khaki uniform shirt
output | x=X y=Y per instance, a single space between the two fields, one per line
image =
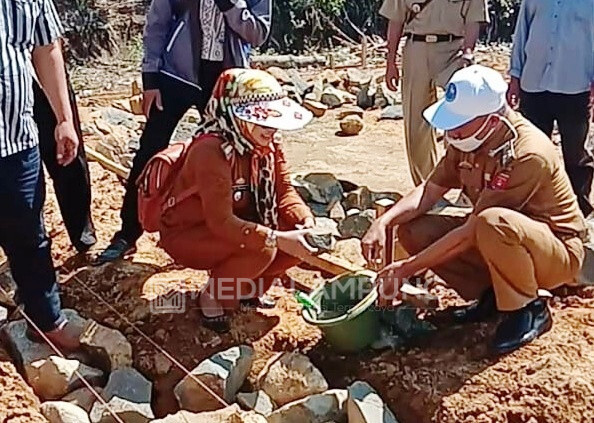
x=439 y=17
x=527 y=176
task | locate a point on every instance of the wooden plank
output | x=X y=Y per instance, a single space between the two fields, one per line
x=108 y=164
x=332 y=264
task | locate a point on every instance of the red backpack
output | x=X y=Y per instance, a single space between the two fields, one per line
x=156 y=181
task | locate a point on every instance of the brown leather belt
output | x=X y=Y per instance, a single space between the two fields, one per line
x=433 y=38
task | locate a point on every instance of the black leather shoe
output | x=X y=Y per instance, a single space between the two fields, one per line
x=479 y=311
x=522 y=326
x=116 y=250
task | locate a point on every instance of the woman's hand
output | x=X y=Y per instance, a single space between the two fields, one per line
x=294 y=243
x=390 y=279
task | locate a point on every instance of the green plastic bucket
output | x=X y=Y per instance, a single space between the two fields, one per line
x=347 y=318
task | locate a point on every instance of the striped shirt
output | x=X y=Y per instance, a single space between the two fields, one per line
x=24 y=24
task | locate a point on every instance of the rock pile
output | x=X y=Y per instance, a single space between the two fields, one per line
x=104 y=362
x=351 y=207
x=290 y=389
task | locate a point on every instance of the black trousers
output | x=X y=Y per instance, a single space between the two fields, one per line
x=572 y=114
x=177 y=98
x=72 y=183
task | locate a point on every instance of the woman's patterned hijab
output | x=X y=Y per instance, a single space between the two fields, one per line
x=257 y=97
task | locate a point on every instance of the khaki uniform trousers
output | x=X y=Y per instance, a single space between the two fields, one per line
x=424 y=67
x=513 y=253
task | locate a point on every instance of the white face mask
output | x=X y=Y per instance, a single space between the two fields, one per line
x=471 y=143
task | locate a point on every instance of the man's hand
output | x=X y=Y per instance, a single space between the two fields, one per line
x=390 y=279
x=513 y=92
x=66 y=143
x=392 y=76
x=373 y=242
x=148 y=98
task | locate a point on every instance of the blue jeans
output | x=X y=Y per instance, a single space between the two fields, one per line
x=24 y=240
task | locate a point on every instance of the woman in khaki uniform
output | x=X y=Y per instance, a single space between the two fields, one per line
x=241 y=224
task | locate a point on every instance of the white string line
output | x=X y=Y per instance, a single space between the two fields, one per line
x=153 y=343
x=59 y=353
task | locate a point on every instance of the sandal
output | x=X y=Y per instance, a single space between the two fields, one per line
x=258 y=302
x=218 y=324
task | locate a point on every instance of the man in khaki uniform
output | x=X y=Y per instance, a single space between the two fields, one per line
x=441 y=35
x=525 y=232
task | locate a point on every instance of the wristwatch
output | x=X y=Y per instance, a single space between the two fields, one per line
x=271 y=240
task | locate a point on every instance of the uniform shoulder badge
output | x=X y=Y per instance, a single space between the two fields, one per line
x=500 y=181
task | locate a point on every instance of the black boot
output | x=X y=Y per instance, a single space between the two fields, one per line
x=522 y=326
x=481 y=310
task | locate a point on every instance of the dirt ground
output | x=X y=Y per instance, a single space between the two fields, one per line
x=446 y=378
x=18 y=403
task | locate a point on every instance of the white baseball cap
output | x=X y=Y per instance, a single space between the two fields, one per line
x=471 y=92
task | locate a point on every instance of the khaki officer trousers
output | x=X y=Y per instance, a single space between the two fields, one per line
x=513 y=253
x=424 y=67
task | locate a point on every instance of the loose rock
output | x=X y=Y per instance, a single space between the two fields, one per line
x=8 y=291
x=162 y=364
x=318 y=408
x=357 y=78
x=321 y=191
x=108 y=346
x=55 y=377
x=291 y=376
x=63 y=412
x=280 y=74
x=317 y=108
x=31 y=356
x=358 y=199
x=298 y=82
x=329 y=76
x=393 y=112
x=364 y=405
x=366 y=97
x=258 y=401
x=337 y=212
x=224 y=373
x=128 y=394
x=349 y=111
x=355 y=226
x=333 y=97
x=231 y=414
x=327 y=225
x=3 y=314
x=83 y=398
x=351 y=125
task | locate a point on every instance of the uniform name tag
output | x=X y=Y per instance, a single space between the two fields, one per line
x=500 y=181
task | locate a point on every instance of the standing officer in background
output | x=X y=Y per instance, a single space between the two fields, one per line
x=441 y=36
